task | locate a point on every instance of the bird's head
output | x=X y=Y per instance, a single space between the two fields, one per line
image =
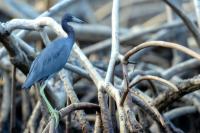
x=69 y=18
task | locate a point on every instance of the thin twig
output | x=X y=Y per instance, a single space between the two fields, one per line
x=6 y=100
x=197 y=10
x=13 y=104
x=26 y=110
x=126 y=81
x=31 y=124
x=52 y=127
x=68 y=117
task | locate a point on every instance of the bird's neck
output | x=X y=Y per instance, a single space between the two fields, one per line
x=69 y=30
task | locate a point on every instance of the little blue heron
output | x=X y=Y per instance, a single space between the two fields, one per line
x=51 y=60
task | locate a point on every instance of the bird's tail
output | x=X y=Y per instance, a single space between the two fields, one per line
x=26 y=84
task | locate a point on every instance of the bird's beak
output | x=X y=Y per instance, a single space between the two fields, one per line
x=74 y=19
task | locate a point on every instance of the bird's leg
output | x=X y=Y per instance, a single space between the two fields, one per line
x=54 y=113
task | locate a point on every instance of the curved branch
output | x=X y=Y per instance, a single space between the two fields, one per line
x=74 y=106
x=151 y=110
x=161 y=44
x=180 y=111
x=78 y=106
x=147 y=77
x=181 y=67
x=17 y=57
x=57 y=7
x=168 y=97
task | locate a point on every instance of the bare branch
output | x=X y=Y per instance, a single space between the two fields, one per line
x=98 y=123
x=13 y=103
x=74 y=99
x=177 y=112
x=161 y=44
x=168 y=97
x=148 y=77
x=151 y=110
x=78 y=106
x=32 y=120
x=115 y=40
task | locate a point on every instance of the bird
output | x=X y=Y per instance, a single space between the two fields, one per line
x=51 y=60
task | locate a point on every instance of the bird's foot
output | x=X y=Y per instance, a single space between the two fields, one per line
x=55 y=116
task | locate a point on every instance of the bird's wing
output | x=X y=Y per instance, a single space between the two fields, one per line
x=53 y=57
x=49 y=61
x=57 y=58
x=34 y=63
x=31 y=78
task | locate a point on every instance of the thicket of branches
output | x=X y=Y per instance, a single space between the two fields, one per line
x=130 y=79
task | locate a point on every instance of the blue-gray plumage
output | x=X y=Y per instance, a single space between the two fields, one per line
x=54 y=56
x=52 y=59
